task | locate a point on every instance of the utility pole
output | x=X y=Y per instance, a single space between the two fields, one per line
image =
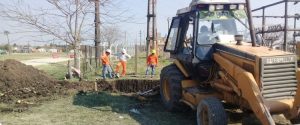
x=136 y=59
x=140 y=38
x=297 y=17
x=263 y=27
x=154 y=27
x=294 y=34
x=285 y=26
x=151 y=26
x=97 y=31
x=168 y=19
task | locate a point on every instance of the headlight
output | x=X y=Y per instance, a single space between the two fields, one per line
x=241 y=7
x=233 y=7
x=220 y=7
x=212 y=8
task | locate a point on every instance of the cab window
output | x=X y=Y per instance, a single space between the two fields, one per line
x=173 y=35
x=188 y=40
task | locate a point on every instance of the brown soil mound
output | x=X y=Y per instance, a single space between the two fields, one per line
x=19 y=81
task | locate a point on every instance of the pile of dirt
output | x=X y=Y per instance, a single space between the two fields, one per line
x=19 y=81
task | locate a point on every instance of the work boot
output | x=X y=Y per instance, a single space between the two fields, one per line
x=117 y=75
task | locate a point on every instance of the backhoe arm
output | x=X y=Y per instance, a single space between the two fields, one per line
x=249 y=89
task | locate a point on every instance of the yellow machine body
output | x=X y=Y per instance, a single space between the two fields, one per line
x=240 y=83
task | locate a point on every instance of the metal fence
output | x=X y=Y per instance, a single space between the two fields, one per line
x=136 y=65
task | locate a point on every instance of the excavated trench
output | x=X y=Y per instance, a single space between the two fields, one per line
x=128 y=85
x=22 y=86
x=20 y=82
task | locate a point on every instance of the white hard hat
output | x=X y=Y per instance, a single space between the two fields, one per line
x=108 y=51
x=123 y=50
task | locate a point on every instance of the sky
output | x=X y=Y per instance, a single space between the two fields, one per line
x=137 y=10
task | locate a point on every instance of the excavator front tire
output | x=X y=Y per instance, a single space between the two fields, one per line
x=210 y=111
x=170 y=88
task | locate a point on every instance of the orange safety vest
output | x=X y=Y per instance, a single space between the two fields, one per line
x=152 y=59
x=105 y=59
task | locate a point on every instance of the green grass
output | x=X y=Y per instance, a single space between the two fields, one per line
x=56 y=70
x=102 y=108
x=59 y=70
x=142 y=66
x=97 y=109
x=5 y=108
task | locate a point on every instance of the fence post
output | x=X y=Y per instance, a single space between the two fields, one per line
x=136 y=59
x=90 y=54
x=85 y=58
x=96 y=86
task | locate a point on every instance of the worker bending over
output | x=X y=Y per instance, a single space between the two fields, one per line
x=152 y=62
x=123 y=57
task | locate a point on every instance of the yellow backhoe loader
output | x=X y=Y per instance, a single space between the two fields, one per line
x=217 y=61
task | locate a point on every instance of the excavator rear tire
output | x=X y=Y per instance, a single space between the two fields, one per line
x=170 y=88
x=210 y=111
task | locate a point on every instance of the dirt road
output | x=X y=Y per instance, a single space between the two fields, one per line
x=44 y=61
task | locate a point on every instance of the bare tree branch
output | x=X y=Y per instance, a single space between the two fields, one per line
x=66 y=20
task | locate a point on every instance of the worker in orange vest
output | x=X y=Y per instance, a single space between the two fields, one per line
x=106 y=64
x=152 y=62
x=123 y=57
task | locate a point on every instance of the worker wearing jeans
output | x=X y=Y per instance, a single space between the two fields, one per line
x=123 y=57
x=106 y=69
x=152 y=62
x=152 y=68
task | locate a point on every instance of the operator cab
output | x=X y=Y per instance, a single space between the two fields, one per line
x=196 y=30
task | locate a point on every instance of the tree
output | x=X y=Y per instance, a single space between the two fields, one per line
x=65 y=20
x=4 y=47
x=111 y=34
x=7 y=47
x=8 y=42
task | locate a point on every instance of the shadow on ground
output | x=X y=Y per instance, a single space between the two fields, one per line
x=151 y=112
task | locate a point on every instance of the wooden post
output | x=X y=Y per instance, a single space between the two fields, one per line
x=136 y=59
x=85 y=58
x=96 y=87
x=90 y=54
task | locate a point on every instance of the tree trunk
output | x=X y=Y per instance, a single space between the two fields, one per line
x=77 y=55
x=97 y=32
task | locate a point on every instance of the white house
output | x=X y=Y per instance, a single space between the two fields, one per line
x=53 y=50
